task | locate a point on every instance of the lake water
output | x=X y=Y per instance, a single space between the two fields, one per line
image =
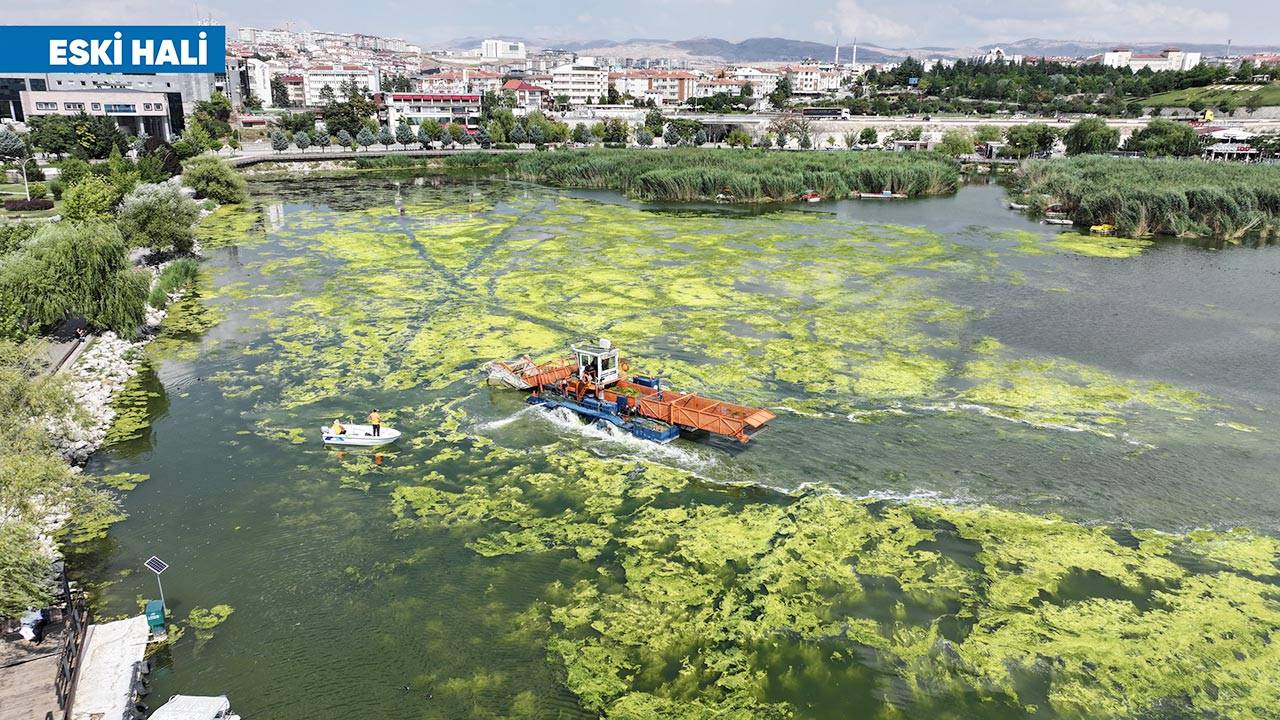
x=1002 y=481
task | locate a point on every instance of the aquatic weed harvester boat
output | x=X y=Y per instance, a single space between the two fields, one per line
x=594 y=384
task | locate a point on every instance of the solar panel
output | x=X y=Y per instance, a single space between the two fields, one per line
x=156 y=565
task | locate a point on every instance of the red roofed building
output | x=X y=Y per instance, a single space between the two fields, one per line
x=811 y=79
x=709 y=87
x=419 y=108
x=670 y=86
x=528 y=95
x=461 y=81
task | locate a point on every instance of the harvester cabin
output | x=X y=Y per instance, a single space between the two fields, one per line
x=598 y=363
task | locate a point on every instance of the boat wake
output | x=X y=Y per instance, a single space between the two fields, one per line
x=503 y=422
x=566 y=419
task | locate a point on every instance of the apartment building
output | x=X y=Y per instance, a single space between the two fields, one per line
x=133 y=111
x=1167 y=59
x=811 y=79
x=582 y=81
x=664 y=86
x=318 y=77
x=762 y=82
x=712 y=86
x=254 y=76
x=294 y=89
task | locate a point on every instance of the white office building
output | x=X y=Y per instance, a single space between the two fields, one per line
x=1167 y=59
x=316 y=78
x=255 y=77
x=582 y=81
x=502 y=50
x=133 y=111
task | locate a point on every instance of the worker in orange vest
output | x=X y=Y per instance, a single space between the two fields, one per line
x=376 y=421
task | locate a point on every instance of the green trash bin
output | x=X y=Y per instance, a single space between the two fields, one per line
x=156 y=617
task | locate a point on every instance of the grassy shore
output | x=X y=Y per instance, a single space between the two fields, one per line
x=743 y=175
x=1157 y=197
x=1215 y=95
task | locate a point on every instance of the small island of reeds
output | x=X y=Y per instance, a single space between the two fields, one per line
x=748 y=176
x=1142 y=197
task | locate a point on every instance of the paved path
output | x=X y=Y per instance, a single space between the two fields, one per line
x=27 y=674
x=26 y=690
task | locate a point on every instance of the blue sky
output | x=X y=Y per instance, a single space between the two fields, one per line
x=904 y=23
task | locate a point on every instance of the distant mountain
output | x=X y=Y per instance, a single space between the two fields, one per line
x=766 y=49
x=1085 y=48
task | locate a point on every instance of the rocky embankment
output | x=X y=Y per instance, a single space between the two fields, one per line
x=97 y=375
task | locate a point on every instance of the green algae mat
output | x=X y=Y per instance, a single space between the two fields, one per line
x=1015 y=473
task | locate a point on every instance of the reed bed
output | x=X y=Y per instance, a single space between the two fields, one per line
x=745 y=176
x=1143 y=197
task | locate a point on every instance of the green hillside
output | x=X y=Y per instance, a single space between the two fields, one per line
x=1216 y=95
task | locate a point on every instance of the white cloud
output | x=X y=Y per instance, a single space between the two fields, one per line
x=852 y=20
x=1100 y=20
x=99 y=13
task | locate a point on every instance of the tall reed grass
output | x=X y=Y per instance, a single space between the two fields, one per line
x=745 y=175
x=1141 y=197
x=177 y=274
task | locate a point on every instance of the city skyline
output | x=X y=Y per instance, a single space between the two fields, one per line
x=910 y=24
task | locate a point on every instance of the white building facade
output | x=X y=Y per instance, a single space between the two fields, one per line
x=133 y=111
x=1168 y=59
x=812 y=79
x=316 y=78
x=420 y=108
x=762 y=82
x=666 y=86
x=582 y=81
x=502 y=50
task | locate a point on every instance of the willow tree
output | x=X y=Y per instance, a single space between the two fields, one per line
x=72 y=269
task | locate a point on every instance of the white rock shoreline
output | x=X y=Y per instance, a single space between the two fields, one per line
x=97 y=375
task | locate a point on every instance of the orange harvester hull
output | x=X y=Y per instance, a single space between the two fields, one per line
x=685 y=410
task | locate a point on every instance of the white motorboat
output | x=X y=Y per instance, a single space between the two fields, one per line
x=360 y=436
x=196 y=707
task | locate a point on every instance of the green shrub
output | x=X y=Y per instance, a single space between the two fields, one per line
x=14 y=235
x=35 y=479
x=38 y=190
x=89 y=199
x=72 y=171
x=159 y=217
x=213 y=178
